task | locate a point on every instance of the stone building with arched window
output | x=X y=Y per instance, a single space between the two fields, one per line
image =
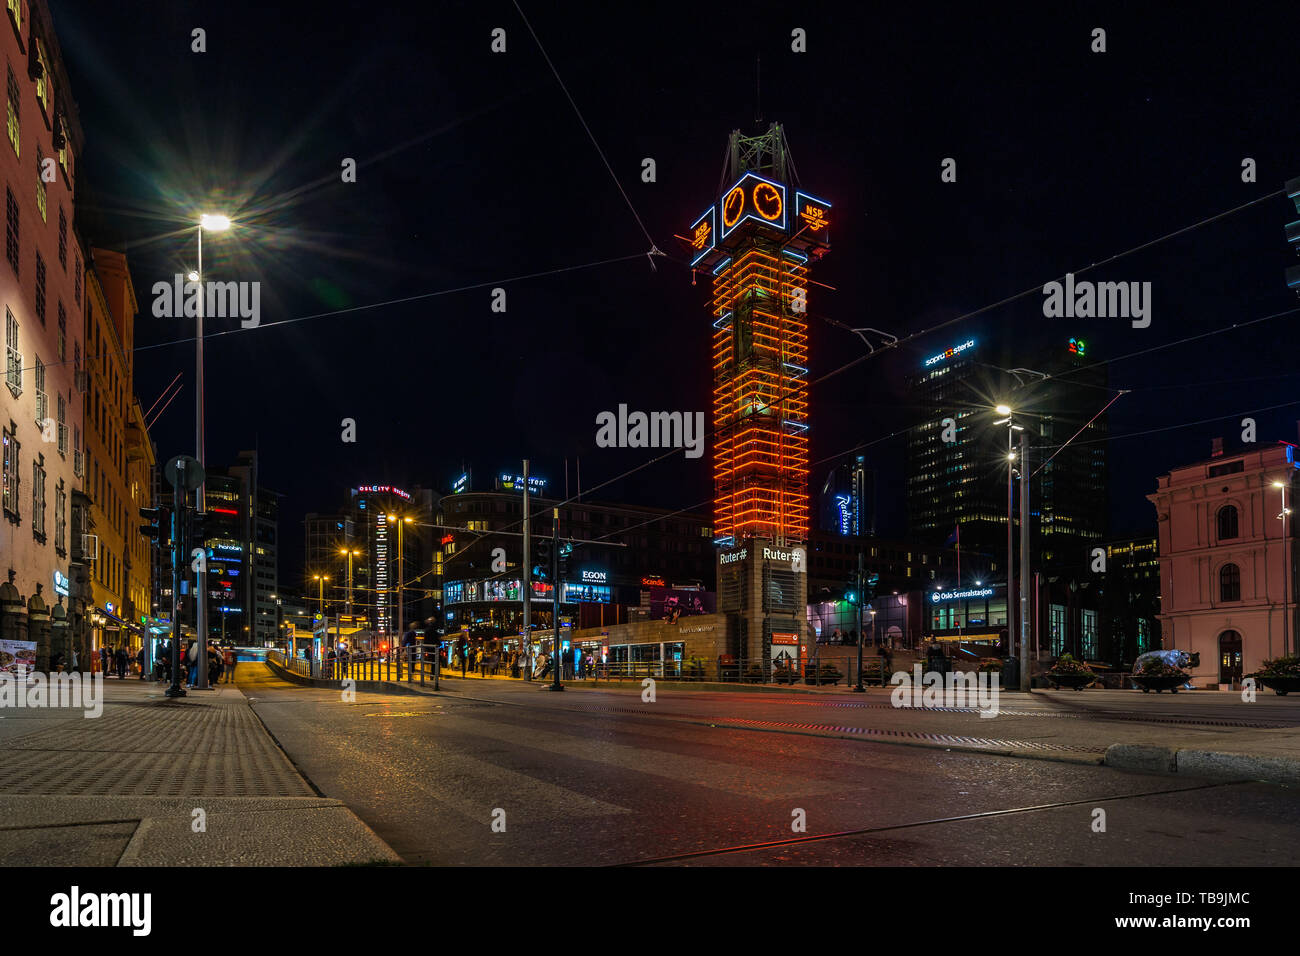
x=1227 y=560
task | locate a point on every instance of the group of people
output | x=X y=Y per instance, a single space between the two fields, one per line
x=221 y=664
x=515 y=663
x=119 y=661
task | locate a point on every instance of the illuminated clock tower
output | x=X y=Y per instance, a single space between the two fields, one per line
x=758 y=241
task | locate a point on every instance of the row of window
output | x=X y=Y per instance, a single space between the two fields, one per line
x=11 y=491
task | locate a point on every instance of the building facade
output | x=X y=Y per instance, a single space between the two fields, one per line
x=1227 y=561
x=41 y=466
x=957 y=455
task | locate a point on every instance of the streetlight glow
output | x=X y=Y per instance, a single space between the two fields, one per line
x=1003 y=409
x=214 y=223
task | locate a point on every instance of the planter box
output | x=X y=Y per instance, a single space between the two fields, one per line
x=1281 y=685
x=1167 y=682
x=1075 y=681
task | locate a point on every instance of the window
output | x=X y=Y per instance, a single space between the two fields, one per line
x=12 y=111
x=1227 y=522
x=63 y=426
x=40 y=288
x=76 y=275
x=1056 y=620
x=11 y=228
x=42 y=397
x=1089 y=634
x=13 y=357
x=1229 y=583
x=60 y=519
x=63 y=239
x=9 y=480
x=42 y=196
x=63 y=333
x=42 y=81
x=38 y=498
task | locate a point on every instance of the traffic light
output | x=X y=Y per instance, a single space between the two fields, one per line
x=200 y=528
x=159 y=526
x=542 y=570
x=869 y=584
x=851 y=591
x=566 y=549
x=1293 y=234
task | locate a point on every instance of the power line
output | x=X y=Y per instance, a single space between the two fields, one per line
x=654 y=250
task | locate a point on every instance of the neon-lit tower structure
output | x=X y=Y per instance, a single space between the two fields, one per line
x=758 y=241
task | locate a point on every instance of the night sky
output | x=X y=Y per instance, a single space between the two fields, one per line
x=474 y=169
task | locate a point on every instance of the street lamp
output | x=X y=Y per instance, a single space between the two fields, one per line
x=1286 y=572
x=212 y=223
x=349 y=554
x=401 y=620
x=320 y=595
x=1009 y=420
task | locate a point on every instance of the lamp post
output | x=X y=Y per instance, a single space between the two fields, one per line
x=211 y=223
x=1009 y=420
x=1286 y=573
x=349 y=554
x=320 y=580
x=401 y=619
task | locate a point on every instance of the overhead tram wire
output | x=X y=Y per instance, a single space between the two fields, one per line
x=654 y=249
x=391 y=302
x=899 y=342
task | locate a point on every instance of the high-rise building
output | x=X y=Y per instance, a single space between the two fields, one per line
x=957 y=456
x=241 y=539
x=758 y=241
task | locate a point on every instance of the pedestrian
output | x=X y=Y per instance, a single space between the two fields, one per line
x=231 y=659
x=329 y=664
x=122 y=658
x=192 y=663
x=139 y=659
x=56 y=662
x=215 y=666
x=103 y=660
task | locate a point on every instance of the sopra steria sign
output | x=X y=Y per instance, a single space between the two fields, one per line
x=949 y=353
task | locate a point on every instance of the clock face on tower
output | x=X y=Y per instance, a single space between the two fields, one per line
x=754 y=197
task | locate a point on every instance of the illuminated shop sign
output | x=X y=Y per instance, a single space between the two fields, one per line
x=653 y=581
x=937 y=597
x=60 y=583
x=595 y=577
x=509 y=482
x=842 y=503
x=1078 y=347
x=384 y=490
x=220 y=546
x=753 y=197
x=704 y=235
x=784 y=638
x=461 y=484
x=731 y=557
x=794 y=555
x=949 y=353
x=814 y=214
x=586 y=594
